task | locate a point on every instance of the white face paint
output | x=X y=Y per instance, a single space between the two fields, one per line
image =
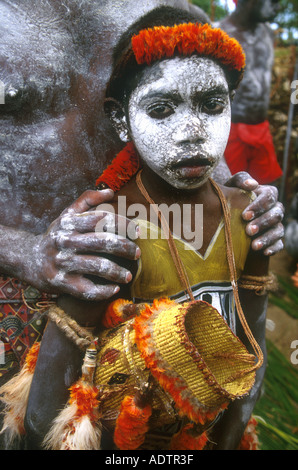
x=179 y=117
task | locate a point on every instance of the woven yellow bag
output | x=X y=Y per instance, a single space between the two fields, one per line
x=197 y=363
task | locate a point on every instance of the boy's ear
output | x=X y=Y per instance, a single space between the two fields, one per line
x=116 y=114
x=232 y=95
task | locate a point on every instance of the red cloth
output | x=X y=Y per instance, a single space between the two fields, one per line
x=250 y=148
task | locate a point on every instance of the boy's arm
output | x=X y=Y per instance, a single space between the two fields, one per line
x=58 y=367
x=227 y=433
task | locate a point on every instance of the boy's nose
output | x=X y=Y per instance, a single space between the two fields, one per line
x=191 y=130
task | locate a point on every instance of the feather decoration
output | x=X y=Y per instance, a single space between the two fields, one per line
x=117 y=312
x=189 y=439
x=163 y=41
x=14 y=394
x=121 y=170
x=132 y=424
x=78 y=425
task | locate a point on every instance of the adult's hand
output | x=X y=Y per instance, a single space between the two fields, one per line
x=264 y=215
x=72 y=257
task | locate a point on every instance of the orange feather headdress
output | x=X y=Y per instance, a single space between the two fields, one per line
x=185 y=39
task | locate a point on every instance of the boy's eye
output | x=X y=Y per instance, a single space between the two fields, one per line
x=160 y=111
x=213 y=106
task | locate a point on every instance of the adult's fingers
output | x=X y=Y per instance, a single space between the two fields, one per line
x=100 y=221
x=80 y=287
x=268 y=220
x=275 y=248
x=242 y=180
x=88 y=200
x=98 y=243
x=95 y=265
x=267 y=198
x=269 y=239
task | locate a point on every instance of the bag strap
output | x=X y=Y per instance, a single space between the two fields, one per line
x=233 y=274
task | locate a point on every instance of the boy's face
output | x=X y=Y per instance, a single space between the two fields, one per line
x=179 y=118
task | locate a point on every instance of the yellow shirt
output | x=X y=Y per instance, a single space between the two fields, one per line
x=208 y=275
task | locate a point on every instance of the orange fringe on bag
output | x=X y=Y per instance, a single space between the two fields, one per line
x=131 y=424
x=14 y=395
x=122 y=168
x=114 y=314
x=187 y=440
x=163 y=41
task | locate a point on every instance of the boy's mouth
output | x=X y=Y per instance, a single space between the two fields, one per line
x=192 y=162
x=193 y=167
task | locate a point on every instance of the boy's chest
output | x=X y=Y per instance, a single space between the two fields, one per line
x=195 y=223
x=158 y=274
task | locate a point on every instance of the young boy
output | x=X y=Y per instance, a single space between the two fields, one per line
x=170 y=95
x=176 y=109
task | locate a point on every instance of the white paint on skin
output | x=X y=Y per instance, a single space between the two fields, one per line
x=61 y=236
x=59 y=278
x=180 y=114
x=107 y=223
x=65 y=255
x=67 y=222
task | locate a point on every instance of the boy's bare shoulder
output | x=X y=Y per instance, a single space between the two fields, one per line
x=129 y=194
x=237 y=198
